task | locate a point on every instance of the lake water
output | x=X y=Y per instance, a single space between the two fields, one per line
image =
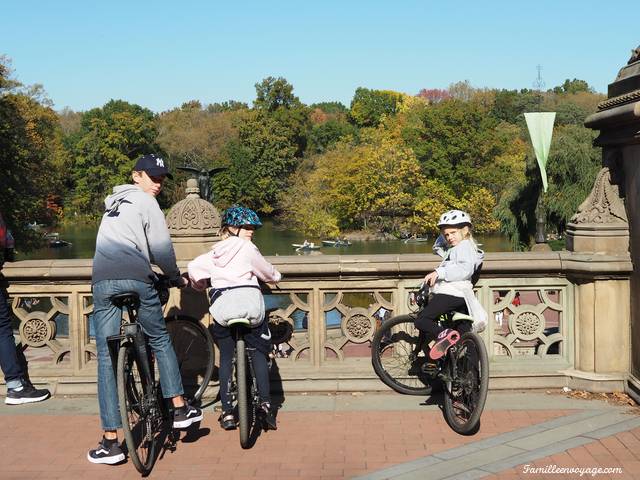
x=271 y=240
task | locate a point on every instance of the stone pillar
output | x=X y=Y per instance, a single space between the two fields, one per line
x=607 y=223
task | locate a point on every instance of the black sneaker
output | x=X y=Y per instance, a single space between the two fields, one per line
x=108 y=452
x=268 y=417
x=183 y=417
x=26 y=394
x=227 y=421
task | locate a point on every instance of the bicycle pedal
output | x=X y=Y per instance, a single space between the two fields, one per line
x=430 y=369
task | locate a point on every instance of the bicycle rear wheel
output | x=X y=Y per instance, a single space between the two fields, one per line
x=467 y=385
x=398 y=352
x=140 y=409
x=244 y=424
x=193 y=345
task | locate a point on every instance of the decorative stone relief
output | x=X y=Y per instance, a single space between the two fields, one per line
x=193 y=215
x=38 y=327
x=357 y=325
x=604 y=204
x=532 y=327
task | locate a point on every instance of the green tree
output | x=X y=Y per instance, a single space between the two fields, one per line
x=369 y=107
x=571 y=169
x=109 y=141
x=323 y=135
x=272 y=138
x=274 y=93
x=457 y=142
x=572 y=86
x=330 y=107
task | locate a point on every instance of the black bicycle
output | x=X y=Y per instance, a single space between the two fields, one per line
x=244 y=386
x=144 y=412
x=400 y=357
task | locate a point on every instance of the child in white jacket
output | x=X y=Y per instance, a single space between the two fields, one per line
x=451 y=283
x=233 y=268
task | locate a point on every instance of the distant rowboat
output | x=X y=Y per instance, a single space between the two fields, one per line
x=305 y=246
x=416 y=239
x=336 y=243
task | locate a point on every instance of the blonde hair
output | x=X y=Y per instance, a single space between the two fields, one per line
x=224 y=232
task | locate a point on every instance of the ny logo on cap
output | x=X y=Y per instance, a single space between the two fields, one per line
x=159 y=162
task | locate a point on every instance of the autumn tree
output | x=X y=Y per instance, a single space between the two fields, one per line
x=31 y=155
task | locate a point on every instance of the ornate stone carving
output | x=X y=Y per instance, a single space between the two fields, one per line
x=35 y=332
x=604 y=204
x=193 y=214
x=528 y=324
x=620 y=100
x=358 y=328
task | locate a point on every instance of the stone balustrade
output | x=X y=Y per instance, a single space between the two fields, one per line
x=556 y=318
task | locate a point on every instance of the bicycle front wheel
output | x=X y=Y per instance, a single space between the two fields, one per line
x=193 y=345
x=398 y=352
x=467 y=385
x=140 y=410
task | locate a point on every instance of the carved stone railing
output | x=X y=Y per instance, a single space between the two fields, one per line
x=326 y=310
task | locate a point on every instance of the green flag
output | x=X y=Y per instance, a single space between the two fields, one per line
x=540 y=125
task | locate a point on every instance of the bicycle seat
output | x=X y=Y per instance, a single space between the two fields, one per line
x=457 y=317
x=238 y=321
x=129 y=299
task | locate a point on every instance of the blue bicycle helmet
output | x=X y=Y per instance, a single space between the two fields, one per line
x=237 y=216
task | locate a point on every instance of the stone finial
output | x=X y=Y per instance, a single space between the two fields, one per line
x=193 y=224
x=601 y=224
x=192 y=188
x=604 y=204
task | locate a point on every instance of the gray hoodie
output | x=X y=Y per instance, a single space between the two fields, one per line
x=133 y=234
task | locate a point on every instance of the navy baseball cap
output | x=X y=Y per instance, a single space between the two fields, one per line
x=153 y=165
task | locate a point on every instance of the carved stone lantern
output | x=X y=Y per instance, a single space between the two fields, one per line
x=193 y=224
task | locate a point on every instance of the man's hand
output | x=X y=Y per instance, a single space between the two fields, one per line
x=431 y=278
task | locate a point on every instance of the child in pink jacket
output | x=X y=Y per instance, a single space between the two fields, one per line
x=233 y=268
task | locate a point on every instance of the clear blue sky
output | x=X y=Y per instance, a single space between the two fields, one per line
x=160 y=54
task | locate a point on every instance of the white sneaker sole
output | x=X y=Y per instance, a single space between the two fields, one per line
x=188 y=422
x=107 y=460
x=20 y=401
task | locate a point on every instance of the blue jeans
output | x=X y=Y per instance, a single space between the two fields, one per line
x=107 y=319
x=11 y=367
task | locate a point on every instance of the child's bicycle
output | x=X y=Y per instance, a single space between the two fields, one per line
x=144 y=412
x=400 y=358
x=244 y=386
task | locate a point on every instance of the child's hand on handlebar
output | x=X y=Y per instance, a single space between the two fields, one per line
x=431 y=278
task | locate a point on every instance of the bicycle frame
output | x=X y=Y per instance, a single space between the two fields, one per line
x=132 y=331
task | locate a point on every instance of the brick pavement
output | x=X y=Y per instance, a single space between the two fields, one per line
x=314 y=441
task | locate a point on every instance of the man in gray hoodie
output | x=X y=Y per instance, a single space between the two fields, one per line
x=133 y=234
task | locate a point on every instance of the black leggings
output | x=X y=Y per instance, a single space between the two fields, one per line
x=438 y=304
x=227 y=346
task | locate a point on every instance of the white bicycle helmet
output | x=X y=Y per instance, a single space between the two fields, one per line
x=455 y=218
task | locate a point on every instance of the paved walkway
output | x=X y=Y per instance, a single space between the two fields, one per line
x=372 y=436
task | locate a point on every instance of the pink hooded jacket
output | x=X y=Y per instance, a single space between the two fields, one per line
x=231 y=262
